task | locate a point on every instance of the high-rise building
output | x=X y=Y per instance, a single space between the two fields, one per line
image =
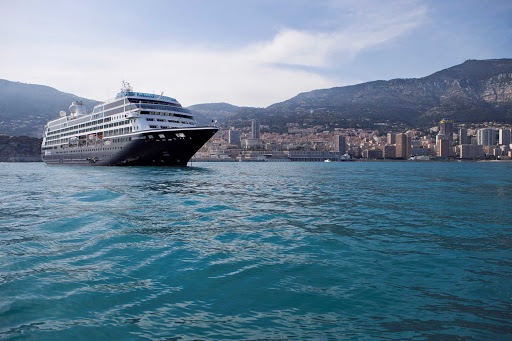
x=463 y=136
x=403 y=146
x=505 y=137
x=340 y=144
x=255 y=129
x=446 y=130
x=486 y=137
x=234 y=137
x=391 y=138
x=443 y=148
x=389 y=151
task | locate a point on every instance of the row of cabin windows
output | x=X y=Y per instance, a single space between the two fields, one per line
x=88 y=150
x=159 y=127
x=173 y=121
x=107 y=119
x=106 y=133
x=134 y=104
x=131 y=100
x=166 y=107
x=106 y=126
x=111 y=112
x=122 y=139
x=166 y=114
x=77 y=126
x=113 y=104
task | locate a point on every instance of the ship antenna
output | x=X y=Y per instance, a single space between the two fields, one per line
x=161 y=95
x=126 y=86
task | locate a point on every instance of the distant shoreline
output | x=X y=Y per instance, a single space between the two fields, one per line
x=354 y=160
x=35 y=160
x=21 y=159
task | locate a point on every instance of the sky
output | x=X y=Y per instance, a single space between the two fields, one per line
x=244 y=52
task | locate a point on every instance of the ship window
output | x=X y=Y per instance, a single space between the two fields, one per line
x=114 y=104
x=149 y=119
x=162 y=136
x=153 y=127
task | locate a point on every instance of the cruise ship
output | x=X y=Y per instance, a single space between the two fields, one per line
x=133 y=129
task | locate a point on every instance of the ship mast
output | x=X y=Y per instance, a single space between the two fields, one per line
x=126 y=87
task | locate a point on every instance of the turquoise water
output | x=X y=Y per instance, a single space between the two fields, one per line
x=353 y=251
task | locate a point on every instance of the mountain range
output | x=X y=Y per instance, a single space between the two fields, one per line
x=25 y=108
x=471 y=92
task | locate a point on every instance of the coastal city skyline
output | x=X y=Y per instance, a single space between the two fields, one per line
x=200 y=52
x=448 y=140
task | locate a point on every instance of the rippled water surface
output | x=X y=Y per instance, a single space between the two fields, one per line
x=392 y=250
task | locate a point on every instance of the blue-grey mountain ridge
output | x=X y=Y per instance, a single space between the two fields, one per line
x=471 y=92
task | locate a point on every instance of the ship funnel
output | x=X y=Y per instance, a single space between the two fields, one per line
x=77 y=108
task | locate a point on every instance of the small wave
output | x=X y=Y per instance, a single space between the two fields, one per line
x=215 y=208
x=96 y=195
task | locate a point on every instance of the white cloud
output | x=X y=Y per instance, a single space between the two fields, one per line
x=369 y=30
x=248 y=75
x=191 y=75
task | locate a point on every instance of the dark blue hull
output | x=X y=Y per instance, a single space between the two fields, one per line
x=169 y=147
